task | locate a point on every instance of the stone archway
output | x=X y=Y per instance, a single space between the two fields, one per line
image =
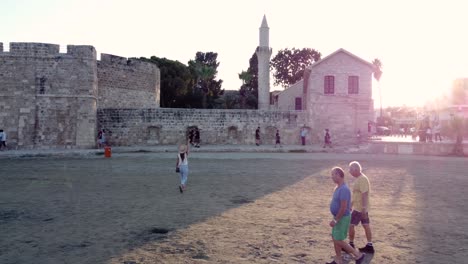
x=153 y=135
x=233 y=135
x=188 y=134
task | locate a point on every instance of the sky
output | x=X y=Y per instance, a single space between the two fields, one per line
x=423 y=45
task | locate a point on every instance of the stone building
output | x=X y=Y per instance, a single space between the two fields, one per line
x=336 y=93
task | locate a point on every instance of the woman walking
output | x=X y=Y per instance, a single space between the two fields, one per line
x=182 y=166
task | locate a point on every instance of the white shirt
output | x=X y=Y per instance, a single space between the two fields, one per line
x=185 y=161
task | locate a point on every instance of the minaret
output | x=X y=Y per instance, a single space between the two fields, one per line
x=263 y=56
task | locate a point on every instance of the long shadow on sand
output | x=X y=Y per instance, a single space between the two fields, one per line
x=441 y=220
x=90 y=210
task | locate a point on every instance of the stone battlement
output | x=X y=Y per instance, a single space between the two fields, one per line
x=122 y=62
x=32 y=49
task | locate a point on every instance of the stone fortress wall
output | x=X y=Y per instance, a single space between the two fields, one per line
x=48 y=98
x=127 y=83
x=143 y=127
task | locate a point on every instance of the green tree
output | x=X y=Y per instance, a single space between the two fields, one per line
x=174 y=83
x=288 y=65
x=230 y=100
x=204 y=69
x=377 y=74
x=249 y=89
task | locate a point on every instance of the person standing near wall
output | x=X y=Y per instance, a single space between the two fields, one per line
x=358 y=137
x=278 y=139
x=182 y=166
x=257 y=136
x=303 y=135
x=197 y=137
x=437 y=130
x=3 y=137
x=327 y=139
x=191 y=136
x=428 y=134
x=99 y=138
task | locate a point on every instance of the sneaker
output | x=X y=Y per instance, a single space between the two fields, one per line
x=367 y=249
x=361 y=259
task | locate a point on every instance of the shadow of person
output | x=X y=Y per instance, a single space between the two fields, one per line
x=348 y=259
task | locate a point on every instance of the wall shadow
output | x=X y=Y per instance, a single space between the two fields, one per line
x=93 y=209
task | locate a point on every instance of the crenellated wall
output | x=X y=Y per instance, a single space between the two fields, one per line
x=48 y=98
x=127 y=83
x=132 y=127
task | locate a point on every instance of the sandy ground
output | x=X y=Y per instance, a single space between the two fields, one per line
x=239 y=208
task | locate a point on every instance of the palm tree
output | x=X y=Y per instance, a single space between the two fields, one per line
x=377 y=74
x=245 y=76
x=204 y=74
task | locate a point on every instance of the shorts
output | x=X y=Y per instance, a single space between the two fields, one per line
x=340 y=230
x=356 y=217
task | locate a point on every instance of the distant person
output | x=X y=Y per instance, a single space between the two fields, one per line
x=101 y=138
x=3 y=138
x=197 y=137
x=358 y=137
x=191 y=136
x=257 y=136
x=327 y=139
x=340 y=208
x=278 y=139
x=182 y=166
x=428 y=134
x=360 y=205
x=303 y=135
x=437 y=130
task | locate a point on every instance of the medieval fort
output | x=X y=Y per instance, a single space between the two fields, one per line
x=50 y=99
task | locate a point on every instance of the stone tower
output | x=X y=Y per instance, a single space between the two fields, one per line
x=263 y=55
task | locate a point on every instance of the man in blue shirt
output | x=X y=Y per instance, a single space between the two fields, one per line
x=340 y=207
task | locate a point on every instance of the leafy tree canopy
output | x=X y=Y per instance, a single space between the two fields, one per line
x=249 y=89
x=377 y=69
x=288 y=65
x=204 y=69
x=175 y=82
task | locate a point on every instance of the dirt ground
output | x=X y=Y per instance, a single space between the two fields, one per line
x=238 y=208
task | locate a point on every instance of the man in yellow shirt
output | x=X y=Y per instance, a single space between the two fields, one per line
x=360 y=204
